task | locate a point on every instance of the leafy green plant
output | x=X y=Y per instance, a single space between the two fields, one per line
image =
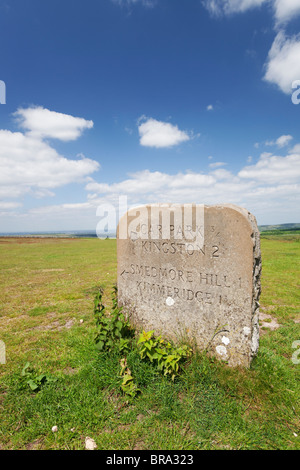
x=167 y=357
x=113 y=330
x=33 y=379
x=128 y=385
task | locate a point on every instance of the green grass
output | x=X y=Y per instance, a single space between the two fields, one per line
x=280 y=234
x=48 y=285
x=280 y=277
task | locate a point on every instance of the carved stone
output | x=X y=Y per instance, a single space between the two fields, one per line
x=193 y=273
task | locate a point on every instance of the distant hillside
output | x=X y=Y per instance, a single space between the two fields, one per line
x=264 y=228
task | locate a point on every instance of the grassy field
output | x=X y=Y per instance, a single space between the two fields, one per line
x=47 y=288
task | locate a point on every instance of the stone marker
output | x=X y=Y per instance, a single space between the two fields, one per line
x=193 y=272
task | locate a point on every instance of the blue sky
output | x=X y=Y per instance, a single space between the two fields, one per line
x=156 y=101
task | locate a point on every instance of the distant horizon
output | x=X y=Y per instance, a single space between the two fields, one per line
x=94 y=232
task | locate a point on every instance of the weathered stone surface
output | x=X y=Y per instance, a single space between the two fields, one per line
x=193 y=272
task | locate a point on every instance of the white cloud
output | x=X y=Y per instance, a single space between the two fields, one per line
x=227 y=7
x=275 y=178
x=295 y=149
x=160 y=134
x=285 y=10
x=282 y=141
x=213 y=6
x=150 y=183
x=41 y=123
x=29 y=165
x=283 y=65
x=270 y=189
x=9 y=205
x=271 y=169
x=61 y=209
x=156 y=185
x=217 y=164
x=210 y=107
x=266 y=154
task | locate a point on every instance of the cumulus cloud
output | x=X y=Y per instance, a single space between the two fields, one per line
x=147 y=183
x=284 y=140
x=41 y=123
x=268 y=188
x=283 y=64
x=272 y=169
x=150 y=187
x=160 y=134
x=29 y=165
x=273 y=177
x=285 y=10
